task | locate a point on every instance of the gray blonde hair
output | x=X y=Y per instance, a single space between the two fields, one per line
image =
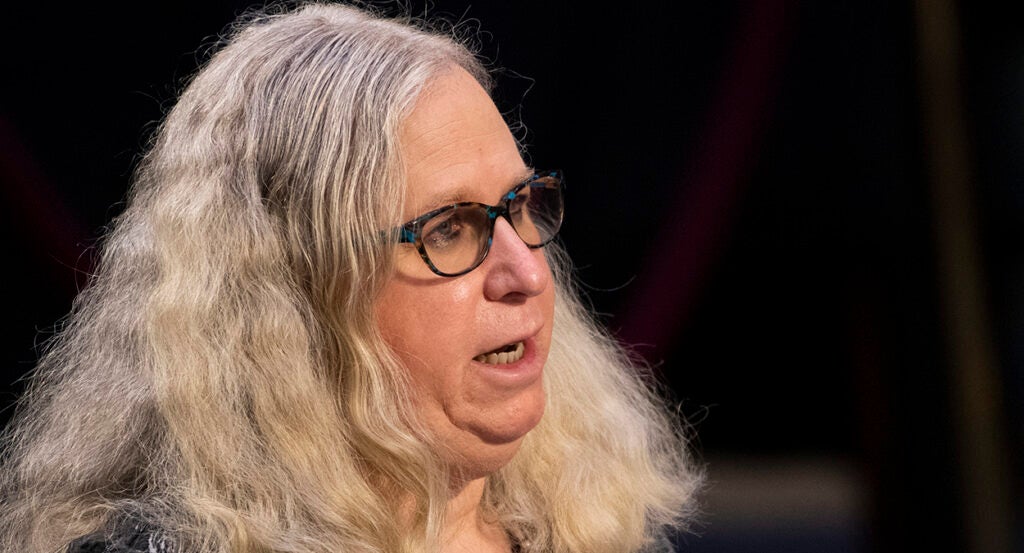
x=223 y=375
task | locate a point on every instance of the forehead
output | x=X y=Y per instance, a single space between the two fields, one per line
x=457 y=147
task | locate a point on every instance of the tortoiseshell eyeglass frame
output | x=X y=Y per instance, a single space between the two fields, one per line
x=410 y=232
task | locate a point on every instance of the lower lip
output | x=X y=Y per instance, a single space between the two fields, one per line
x=518 y=374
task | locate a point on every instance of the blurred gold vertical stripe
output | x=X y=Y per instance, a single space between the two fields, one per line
x=976 y=393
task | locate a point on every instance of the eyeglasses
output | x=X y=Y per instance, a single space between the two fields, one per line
x=455 y=239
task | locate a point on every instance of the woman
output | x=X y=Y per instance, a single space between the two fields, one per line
x=331 y=319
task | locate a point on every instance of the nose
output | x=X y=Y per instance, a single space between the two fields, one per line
x=515 y=272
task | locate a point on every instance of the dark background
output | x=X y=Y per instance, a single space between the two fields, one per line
x=807 y=215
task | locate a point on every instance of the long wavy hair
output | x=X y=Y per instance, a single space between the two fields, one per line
x=222 y=376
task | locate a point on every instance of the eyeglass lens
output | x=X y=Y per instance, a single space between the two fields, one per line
x=458 y=239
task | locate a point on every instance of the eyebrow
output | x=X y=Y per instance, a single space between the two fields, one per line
x=460 y=194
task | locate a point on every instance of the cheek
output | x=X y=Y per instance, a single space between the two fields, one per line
x=428 y=326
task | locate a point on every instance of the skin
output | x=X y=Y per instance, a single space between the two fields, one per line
x=458 y=148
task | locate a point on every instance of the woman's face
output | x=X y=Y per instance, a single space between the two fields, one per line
x=458 y=148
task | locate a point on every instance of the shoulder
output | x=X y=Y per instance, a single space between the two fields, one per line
x=131 y=535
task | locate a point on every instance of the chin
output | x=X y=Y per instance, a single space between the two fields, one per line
x=513 y=428
x=498 y=442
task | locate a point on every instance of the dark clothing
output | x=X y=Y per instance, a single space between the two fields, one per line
x=131 y=535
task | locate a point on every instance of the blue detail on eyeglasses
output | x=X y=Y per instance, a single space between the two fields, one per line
x=455 y=239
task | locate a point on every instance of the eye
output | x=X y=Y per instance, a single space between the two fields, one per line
x=443 y=231
x=519 y=203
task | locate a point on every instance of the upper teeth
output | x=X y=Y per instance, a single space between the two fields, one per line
x=503 y=357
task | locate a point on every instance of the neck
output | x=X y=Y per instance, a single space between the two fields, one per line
x=466 y=531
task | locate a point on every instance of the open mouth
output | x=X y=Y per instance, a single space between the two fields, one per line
x=503 y=355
